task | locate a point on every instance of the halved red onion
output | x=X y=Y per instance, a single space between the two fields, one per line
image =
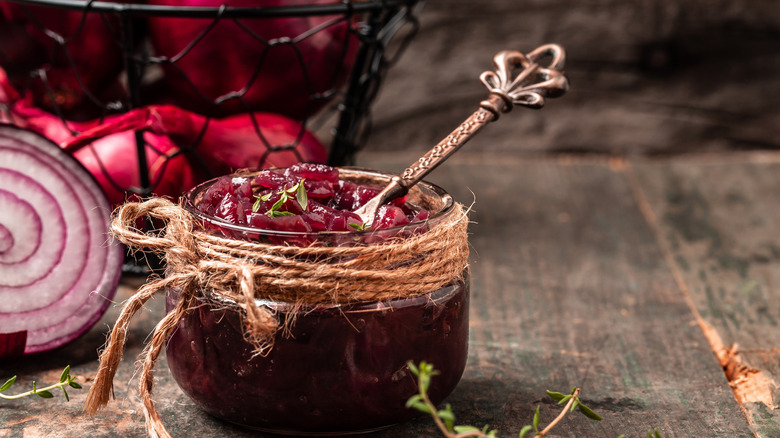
x=111 y=160
x=58 y=267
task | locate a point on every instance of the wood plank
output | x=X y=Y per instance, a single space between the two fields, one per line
x=570 y=288
x=648 y=76
x=718 y=219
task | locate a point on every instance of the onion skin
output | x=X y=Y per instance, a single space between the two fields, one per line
x=22 y=113
x=59 y=270
x=111 y=160
x=178 y=157
x=288 y=75
x=225 y=145
x=12 y=344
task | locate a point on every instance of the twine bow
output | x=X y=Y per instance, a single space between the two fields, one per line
x=243 y=271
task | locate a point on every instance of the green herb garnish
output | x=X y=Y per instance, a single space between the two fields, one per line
x=264 y=198
x=65 y=380
x=445 y=418
x=360 y=227
x=284 y=196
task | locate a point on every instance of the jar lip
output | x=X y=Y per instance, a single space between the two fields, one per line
x=189 y=204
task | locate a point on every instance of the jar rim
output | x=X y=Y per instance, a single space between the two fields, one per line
x=190 y=199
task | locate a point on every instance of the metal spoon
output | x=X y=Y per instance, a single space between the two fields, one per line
x=518 y=80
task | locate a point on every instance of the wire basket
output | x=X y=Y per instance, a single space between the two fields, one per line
x=84 y=66
x=319 y=64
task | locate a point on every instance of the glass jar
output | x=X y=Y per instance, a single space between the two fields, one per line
x=342 y=368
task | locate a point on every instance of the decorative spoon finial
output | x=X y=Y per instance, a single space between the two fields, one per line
x=517 y=80
x=521 y=79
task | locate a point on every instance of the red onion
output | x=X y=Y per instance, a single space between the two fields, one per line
x=112 y=160
x=58 y=271
x=320 y=59
x=89 y=55
x=177 y=156
x=255 y=140
x=7 y=96
x=21 y=112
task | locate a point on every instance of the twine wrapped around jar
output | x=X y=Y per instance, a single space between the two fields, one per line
x=243 y=271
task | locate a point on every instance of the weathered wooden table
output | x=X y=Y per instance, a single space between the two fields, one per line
x=652 y=284
x=640 y=281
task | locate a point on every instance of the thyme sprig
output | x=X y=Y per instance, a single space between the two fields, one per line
x=360 y=227
x=284 y=196
x=65 y=380
x=445 y=418
x=572 y=401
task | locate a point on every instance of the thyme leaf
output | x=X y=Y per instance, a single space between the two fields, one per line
x=65 y=380
x=445 y=418
x=284 y=195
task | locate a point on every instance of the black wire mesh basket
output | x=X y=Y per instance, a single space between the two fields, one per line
x=316 y=62
x=156 y=96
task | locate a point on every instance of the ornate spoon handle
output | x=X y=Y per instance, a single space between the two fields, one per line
x=505 y=91
x=518 y=79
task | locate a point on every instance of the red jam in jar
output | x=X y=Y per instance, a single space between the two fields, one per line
x=342 y=367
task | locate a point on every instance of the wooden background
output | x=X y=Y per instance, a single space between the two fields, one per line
x=625 y=238
x=648 y=77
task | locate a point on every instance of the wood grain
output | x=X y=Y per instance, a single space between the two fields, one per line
x=570 y=287
x=718 y=219
x=585 y=271
x=648 y=77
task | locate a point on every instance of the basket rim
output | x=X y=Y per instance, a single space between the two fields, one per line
x=133 y=9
